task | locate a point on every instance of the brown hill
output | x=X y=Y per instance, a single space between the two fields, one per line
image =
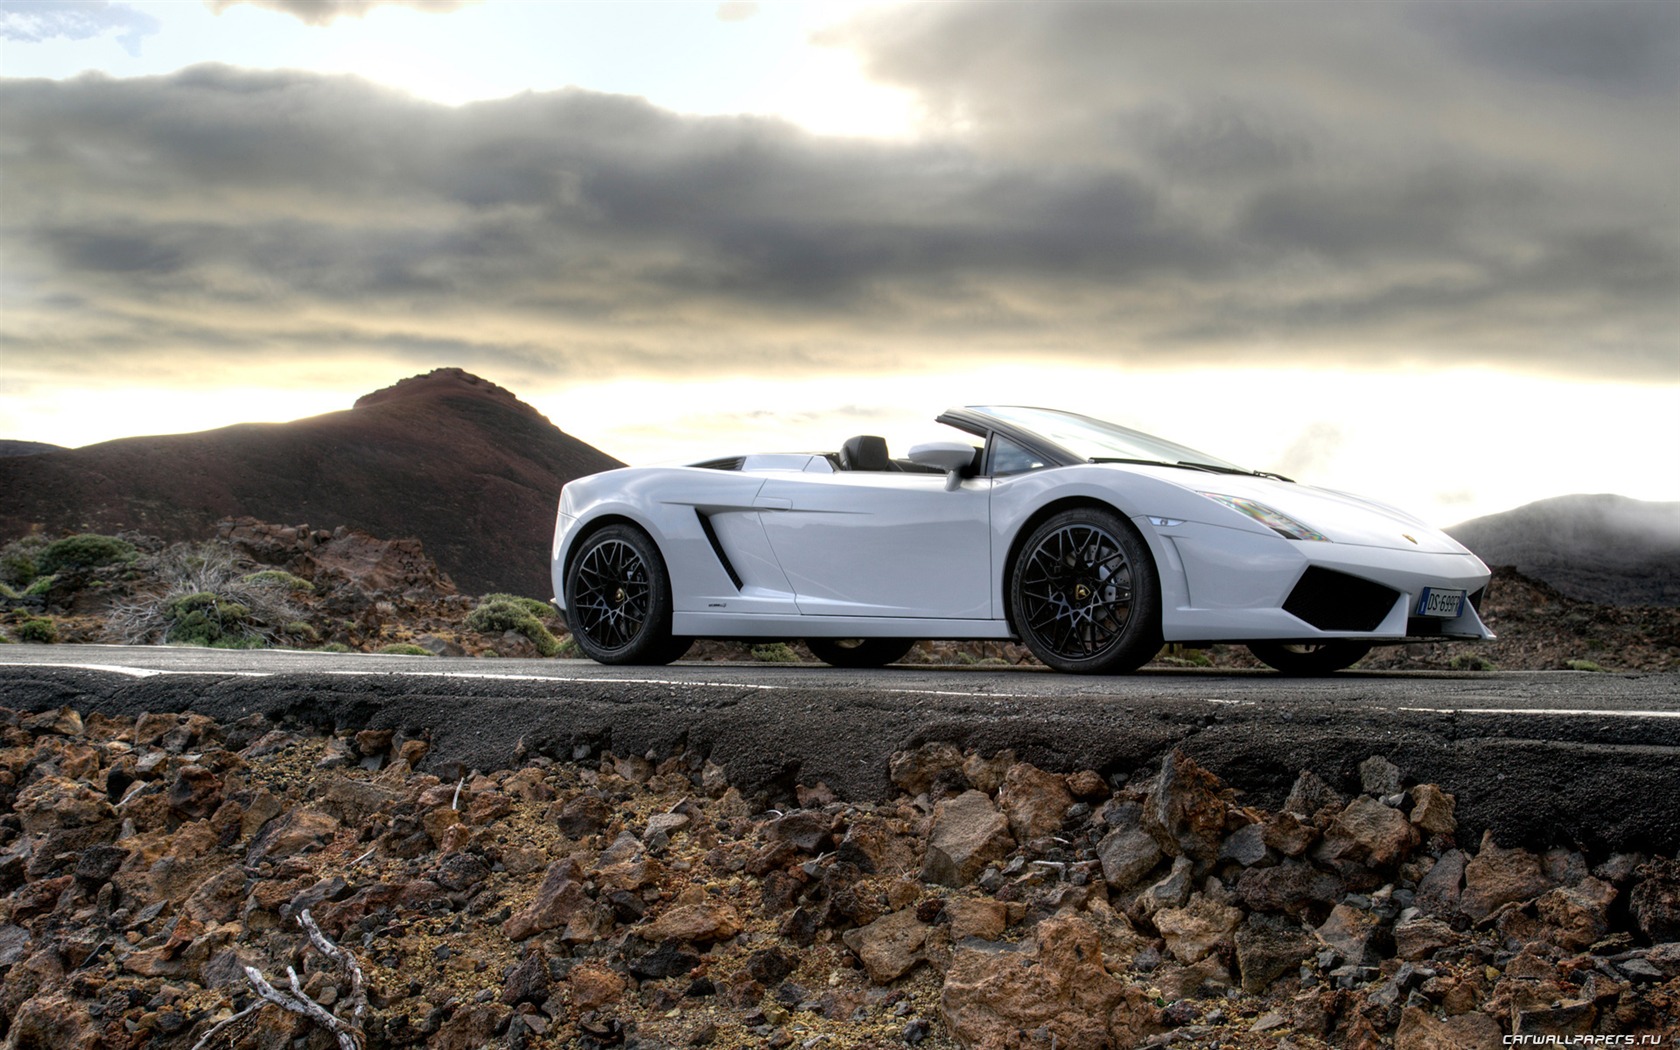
x=447 y=457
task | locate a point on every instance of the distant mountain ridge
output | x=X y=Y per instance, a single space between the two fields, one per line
x=9 y=447
x=447 y=457
x=1600 y=548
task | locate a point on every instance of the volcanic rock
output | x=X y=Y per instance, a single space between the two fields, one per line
x=1055 y=984
x=968 y=833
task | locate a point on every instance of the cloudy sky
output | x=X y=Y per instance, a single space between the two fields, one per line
x=1427 y=251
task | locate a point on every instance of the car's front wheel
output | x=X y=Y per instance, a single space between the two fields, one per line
x=1085 y=595
x=859 y=652
x=618 y=599
x=1306 y=659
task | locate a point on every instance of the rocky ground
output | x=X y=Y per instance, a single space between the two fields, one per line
x=344 y=589
x=641 y=901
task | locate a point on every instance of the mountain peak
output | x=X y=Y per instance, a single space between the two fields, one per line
x=442 y=382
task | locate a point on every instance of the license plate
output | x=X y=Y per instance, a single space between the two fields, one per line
x=1437 y=601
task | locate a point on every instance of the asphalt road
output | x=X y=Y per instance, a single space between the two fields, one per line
x=1543 y=758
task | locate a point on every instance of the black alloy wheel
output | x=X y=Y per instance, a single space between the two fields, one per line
x=618 y=599
x=859 y=652
x=1309 y=658
x=1084 y=594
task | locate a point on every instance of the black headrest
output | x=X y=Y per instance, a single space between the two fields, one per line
x=865 y=452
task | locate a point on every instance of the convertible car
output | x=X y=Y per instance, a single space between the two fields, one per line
x=1091 y=543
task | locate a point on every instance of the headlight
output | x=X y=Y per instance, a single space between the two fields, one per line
x=1277 y=521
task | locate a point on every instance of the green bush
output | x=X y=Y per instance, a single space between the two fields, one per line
x=41 y=585
x=500 y=613
x=403 y=649
x=8 y=593
x=279 y=578
x=335 y=647
x=775 y=653
x=41 y=631
x=1583 y=665
x=84 y=551
x=1470 y=662
x=208 y=619
x=541 y=610
x=19 y=560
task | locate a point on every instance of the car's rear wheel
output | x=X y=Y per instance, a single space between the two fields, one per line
x=618 y=599
x=1306 y=659
x=1084 y=594
x=859 y=652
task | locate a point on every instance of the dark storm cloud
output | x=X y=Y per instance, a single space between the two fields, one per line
x=325 y=12
x=1155 y=184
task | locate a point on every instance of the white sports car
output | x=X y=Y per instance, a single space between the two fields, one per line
x=1091 y=543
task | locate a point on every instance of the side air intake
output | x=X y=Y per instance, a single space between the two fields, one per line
x=1335 y=601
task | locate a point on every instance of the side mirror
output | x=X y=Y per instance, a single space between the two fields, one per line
x=953 y=457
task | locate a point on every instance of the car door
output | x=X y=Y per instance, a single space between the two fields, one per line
x=882 y=544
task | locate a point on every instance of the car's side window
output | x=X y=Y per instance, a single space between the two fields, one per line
x=1007 y=457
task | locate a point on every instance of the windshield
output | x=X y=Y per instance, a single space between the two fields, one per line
x=1095 y=440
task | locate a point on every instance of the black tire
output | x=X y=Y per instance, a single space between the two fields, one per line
x=618 y=599
x=1084 y=595
x=1304 y=659
x=859 y=652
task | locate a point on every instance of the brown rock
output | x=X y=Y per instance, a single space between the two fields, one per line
x=299 y=831
x=1499 y=876
x=806 y=831
x=1054 y=985
x=1367 y=833
x=357 y=801
x=979 y=917
x=1356 y=935
x=528 y=982
x=1562 y=1020
x=1419 y=938
x=583 y=815
x=1296 y=889
x=700 y=923
x=593 y=986
x=371 y=743
x=1087 y=785
x=932 y=765
x=968 y=833
x=1194 y=931
x=470 y=1028
x=890 y=946
x=1576 y=917
x=559 y=900
x=874 y=845
x=986 y=774
x=1269 y=947
x=1286 y=833
x=56 y=1021
x=412 y=752
x=1440 y=889
x=217 y=898
x=1200 y=980
x=1185 y=811
x=1655 y=900
x=53 y=803
x=1432 y=810
x=1421 y=1030
x=1035 y=802
x=1311 y=796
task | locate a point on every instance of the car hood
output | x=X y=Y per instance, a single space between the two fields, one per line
x=1342 y=517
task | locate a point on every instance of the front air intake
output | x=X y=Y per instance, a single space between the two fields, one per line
x=1335 y=601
